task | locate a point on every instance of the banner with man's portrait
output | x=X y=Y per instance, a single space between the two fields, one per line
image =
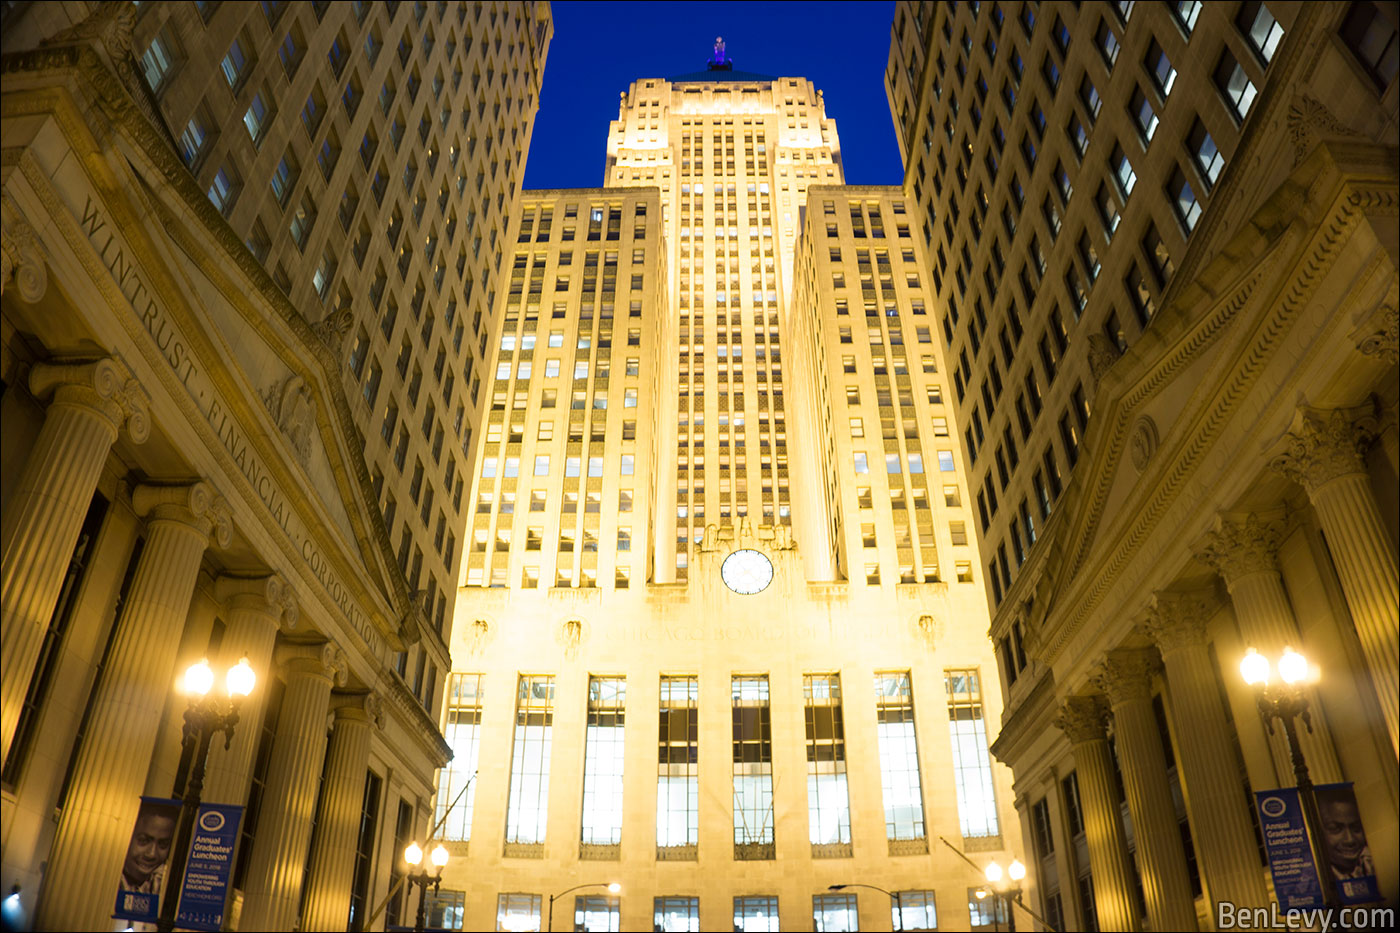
x=1344 y=844
x=147 y=860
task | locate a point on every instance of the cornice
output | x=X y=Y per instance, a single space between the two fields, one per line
x=420 y=725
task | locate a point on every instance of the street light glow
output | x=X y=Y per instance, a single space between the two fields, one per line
x=993 y=872
x=413 y=855
x=1255 y=668
x=199 y=679
x=439 y=856
x=241 y=678
x=614 y=888
x=1292 y=667
x=1016 y=870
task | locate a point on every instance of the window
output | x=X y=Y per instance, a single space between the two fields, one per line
x=899 y=757
x=833 y=912
x=159 y=59
x=602 y=767
x=828 y=797
x=987 y=912
x=1232 y=81
x=676 y=914
x=1260 y=27
x=755 y=915
x=518 y=912
x=284 y=177
x=753 y=764
x=527 y=813
x=1143 y=115
x=1123 y=169
x=1107 y=42
x=597 y=913
x=1188 y=209
x=223 y=191
x=972 y=769
x=456 y=787
x=1160 y=67
x=913 y=910
x=1369 y=31
x=256 y=118
x=678 y=774
x=195 y=136
x=1208 y=158
x=235 y=63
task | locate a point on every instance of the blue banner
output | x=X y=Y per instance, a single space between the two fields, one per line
x=1296 y=881
x=209 y=867
x=147 y=858
x=1344 y=845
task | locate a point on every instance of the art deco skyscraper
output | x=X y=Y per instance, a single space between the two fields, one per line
x=1160 y=238
x=720 y=639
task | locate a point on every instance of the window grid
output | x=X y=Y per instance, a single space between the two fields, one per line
x=899 y=756
x=597 y=913
x=756 y=914
x=678 y=771
x=972 y=767
x=834 y=913
x=753 y=761
x=603 y=756
x=519 y=912
x=463 y=733
x=828 y=796
x=676 y=915
x=527 y=814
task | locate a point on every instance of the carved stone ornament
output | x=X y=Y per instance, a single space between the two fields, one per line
x=197 y=505
x=1383 y=338
x=1126 y=674
x=23 y=261
x=1081 y=719
x=709 y=544
x=1309 y=121
x=294 y=410
x=105 y=385
x=570 y=635
x=333 y=327
x=928 y=628
x=270 y=595
x=1323 y=446
x=110 y=23
x=1142 y=442
x=1103 y=353
x=1178 y=620
x=1242 y=545
x=479 y=633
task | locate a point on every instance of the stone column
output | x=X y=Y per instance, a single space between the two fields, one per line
x=1126 y=677
x=45 y=513
x=1082 y=721
x=255 y=609
x=1323 y=455
x=273 y=888
x=338 y=828
x=1216 y=801
x=1244 y=549
x=109 y=776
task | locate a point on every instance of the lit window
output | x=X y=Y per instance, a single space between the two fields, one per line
x=913 y=910
x=828 y=797
x=1261 y=28
x=518 y=911
x=832 y=912
x=676 y=914
x=899 y=756
x=158 y=61
x=756 y=915
x=1143 y=115
x=678 y=774
x=602 y=763
x=972 y=768
x=1188 y=209
x=255 y=119
x=1230 y=77
x=235 y=64
x=597 y=913
x=462 y=730
x=527 y=813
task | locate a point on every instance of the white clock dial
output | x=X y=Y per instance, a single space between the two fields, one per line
x=746 y=571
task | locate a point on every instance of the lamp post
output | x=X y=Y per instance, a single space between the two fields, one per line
x=1287 y=703
x=204 y=717
x=613 y=887
x=893 y=896
x=413 y=855
x=1003 y=892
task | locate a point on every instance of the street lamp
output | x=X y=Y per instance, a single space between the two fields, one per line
x=893 y=895
x=1004 y=894
x=413 y=855
x=613 y=887
x=1286 y=703
x=205 y=716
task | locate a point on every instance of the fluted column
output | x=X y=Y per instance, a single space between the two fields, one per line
x=110 y=773
x=1323 y=455
x=338 y=828
x=45 y=513
x=273 y=888
x=255 y=608
x=1215 y=799
x=1126 y=677
x=1082 y=721
x=1244 y=549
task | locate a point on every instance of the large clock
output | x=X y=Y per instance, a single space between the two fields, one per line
x=746 y=571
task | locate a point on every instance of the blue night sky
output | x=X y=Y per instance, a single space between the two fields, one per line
x=600 y=48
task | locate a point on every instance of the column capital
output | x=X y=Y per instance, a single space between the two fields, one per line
x=323 y=659
x=1240 y=545
x=1081 y=719
x=104 y=385
x=363 y=707
x=1178 y=619
x=197 y=505
x=1126 y=674
x=1324 y=445
x=1381 y=335
x=269 y=595
x=23 y=258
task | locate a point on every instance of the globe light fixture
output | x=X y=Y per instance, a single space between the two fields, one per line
x=1254 y=668
x=413 y=855
x=199 y=679
x=241 y=679
x=1016 y=871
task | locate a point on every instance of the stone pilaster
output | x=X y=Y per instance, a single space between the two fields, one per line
x=45 y=513
x=333 y=856
x=273 y=888
x=254 y=607
x=1215 y=799
x=1126 y=677
x=1082 y=721
x=1244 y=549
x=1323 y=454
x=110 y=773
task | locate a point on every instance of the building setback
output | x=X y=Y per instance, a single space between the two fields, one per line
x=1162 y=243
x=250 y=258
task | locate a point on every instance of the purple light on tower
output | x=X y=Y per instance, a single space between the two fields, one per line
x=719 y=61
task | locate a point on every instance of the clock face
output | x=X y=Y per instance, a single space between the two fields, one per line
x=746 y=571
